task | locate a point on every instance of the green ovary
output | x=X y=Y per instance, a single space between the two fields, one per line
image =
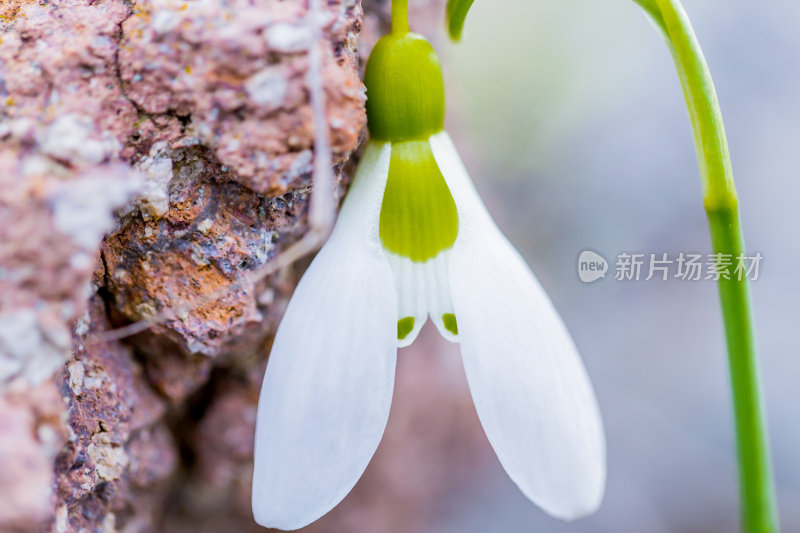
x=405 y=89
x=418 y=215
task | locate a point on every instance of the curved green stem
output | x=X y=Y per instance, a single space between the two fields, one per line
x=757 y=493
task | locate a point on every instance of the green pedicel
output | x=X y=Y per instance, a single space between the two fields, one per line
x=418 y=215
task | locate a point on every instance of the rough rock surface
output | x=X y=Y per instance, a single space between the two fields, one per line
x=120 y=453
x=152 y=152
x=212 y=231
x=32 y=431
x=235 y=73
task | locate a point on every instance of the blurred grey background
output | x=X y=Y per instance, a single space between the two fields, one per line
x=570 y=117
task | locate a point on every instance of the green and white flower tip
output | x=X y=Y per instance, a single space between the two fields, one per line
x=413 y=240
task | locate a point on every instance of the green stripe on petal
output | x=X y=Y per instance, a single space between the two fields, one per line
x=404 y=327
x=418 y=216
x=450 y=323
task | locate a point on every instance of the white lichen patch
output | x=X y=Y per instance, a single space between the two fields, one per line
x=9 y=367
x=93 y=382
x=62 y=520
x=49 y=437
x=302 y=164
x=110 y=460
x=197 y=346
x=289 y=38
x=267 y=297
x=82 y=324
x=17 y=128
x=76 y=372
x=83 y=208
x=262 y=252
x=109 y=524
x=156 y=172
x=72 y=138
x=199 y=255
x=205 y=226
x=29 y=350
x=164 y=21
x=36 y=164
x=268 y=88
x=233 y=145
x=191 y=167
x=81 y=261
x=145 y=310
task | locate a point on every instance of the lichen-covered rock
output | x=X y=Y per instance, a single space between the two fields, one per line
x=211 y=232
x=180 y=101
x=51 y=223
x=98 y=105
x=229 y=187
x=235 y=72
x=60 y=79
x=60 y=174
x=180 y=134
x=31 y=433
x=119 y=452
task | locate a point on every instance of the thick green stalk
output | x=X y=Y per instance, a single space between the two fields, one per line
x=757 y=493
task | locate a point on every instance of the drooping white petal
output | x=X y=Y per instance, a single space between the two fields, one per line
x=530 y=388
x=328 y=385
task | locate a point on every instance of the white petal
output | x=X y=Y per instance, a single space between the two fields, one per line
x=328 y=386
x=530 y=389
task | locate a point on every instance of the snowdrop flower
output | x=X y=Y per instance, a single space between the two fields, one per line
x=414 y=241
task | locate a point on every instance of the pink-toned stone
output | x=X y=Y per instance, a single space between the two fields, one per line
x=236 y=72
x=51 y=222
x=212 y=232
x=59 y=60
x=200 y=110
x=31 y=434
x=120 y=452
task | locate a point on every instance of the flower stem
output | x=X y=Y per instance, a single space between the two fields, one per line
x=399 y=16
x=757 y=493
